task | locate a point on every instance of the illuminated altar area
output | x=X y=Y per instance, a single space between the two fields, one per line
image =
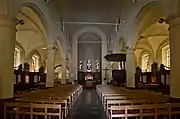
x=89 y=77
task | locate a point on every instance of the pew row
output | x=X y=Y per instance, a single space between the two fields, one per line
x=58 y=100
x=125 y=103
x=155 y=111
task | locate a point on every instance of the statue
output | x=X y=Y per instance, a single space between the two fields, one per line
x=89 y=66
x=97 y=64
x=80 y=65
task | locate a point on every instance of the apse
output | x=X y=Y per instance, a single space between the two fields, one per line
x=89 y=49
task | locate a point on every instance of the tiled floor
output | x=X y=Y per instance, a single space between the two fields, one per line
x=87 y=106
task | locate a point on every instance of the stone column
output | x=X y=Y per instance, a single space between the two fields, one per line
x=50 y=67
x=130 y=69
x=174 y=36
x=63 y=71
x=103 y=60
x=74 y=71
x=7 y=42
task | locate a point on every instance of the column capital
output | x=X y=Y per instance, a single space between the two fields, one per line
x=173 y=19
x=7 y=21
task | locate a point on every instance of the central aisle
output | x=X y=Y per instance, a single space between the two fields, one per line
x=88 y=106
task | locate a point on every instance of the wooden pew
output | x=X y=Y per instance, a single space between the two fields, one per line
x=145 y=110
x=24 y=110
x=63 y=103
x=113 y=96
x=64 y=95
x=166 y=110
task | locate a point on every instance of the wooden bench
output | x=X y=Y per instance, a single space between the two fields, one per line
x=63 y=103
x=145 y=110
x=63 y=95
x=129 y=101
x=167 y=110
x=30 y=110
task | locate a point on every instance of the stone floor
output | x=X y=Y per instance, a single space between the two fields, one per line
x=88 y=106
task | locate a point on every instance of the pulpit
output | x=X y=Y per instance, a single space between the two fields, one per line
x=118 y=75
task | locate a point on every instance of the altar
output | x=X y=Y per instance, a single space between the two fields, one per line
x=87 y=76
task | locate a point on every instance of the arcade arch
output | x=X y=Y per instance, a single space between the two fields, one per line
x=31 y=35
x=150 y=34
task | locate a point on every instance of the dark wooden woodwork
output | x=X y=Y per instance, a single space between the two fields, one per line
x=158 y=81
x=119 y=77
x=26 y=81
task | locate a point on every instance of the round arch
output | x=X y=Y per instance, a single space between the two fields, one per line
x=59 y=65
x=102 y=35
x=148 y=15
x=42 y=11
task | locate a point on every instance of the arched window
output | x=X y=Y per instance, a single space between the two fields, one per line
x=35 y=63
x=166 y=56
x=17 y=57
x=145 y=63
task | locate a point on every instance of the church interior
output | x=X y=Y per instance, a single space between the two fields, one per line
x=89 y=59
